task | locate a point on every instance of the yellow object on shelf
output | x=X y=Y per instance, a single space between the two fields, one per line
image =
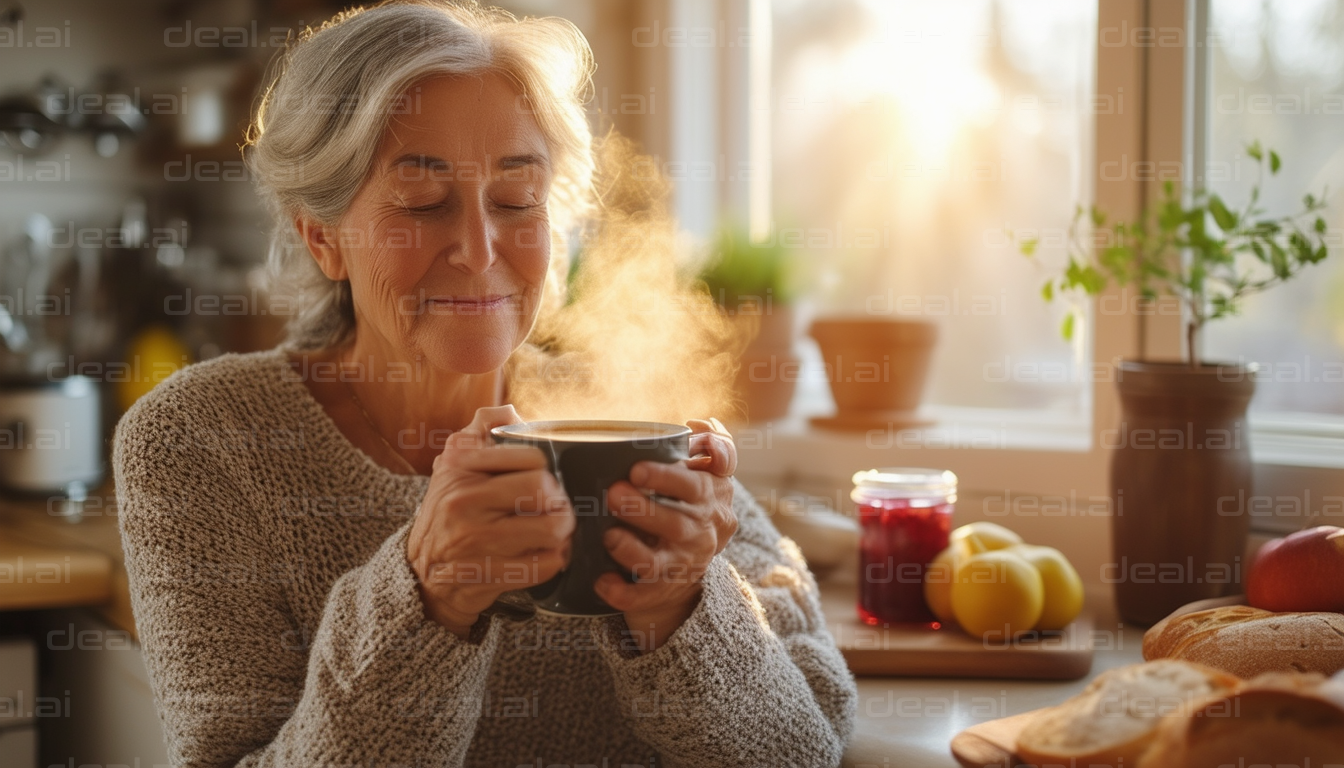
x=152 y=356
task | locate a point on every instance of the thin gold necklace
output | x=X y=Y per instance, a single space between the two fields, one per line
x=354 y=398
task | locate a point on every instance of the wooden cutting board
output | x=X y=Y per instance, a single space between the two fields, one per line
x=903 y=651
x=991 y=743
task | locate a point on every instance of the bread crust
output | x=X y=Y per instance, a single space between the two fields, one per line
x=1247 y=642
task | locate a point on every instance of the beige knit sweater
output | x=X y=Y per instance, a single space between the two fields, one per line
x=281 y=624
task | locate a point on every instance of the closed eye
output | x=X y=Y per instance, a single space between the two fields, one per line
x=432 y=207
x=423 y=208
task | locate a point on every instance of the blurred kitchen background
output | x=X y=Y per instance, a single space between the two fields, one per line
x=907 y=144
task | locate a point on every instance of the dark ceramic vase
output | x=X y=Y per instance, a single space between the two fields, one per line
x=1180 y=462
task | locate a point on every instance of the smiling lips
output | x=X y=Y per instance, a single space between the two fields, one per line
x=468 y=305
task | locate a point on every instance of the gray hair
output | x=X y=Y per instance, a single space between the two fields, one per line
x=332 y=93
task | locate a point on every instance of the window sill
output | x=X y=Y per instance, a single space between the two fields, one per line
x=1282 y=439
x=953 y=427
x=1040 y=452
x=989 y=449
x=1297 y=440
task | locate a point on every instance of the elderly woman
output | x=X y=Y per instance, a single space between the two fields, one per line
x=295 y=560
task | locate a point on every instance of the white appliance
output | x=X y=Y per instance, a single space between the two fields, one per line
x=50 y=436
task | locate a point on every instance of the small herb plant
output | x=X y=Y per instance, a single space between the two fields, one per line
x=1198 y=252
x=741 y=274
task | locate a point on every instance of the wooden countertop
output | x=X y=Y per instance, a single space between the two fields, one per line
x=46 y=561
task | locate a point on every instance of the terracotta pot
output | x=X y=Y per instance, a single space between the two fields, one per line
x=876 y=365
x=768 y=369
x=1180 y=458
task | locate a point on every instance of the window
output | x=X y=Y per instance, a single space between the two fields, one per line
x=1277 y=76
x=910 y=139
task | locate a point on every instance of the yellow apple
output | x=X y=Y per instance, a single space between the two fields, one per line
x=1063 y=588
x=997 y=591
x=963 y=542
x=938 y=584
x=982 y=536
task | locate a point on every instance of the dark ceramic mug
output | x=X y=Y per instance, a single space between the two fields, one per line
x=588 y=456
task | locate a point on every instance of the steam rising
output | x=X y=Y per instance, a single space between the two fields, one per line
x=640 y=338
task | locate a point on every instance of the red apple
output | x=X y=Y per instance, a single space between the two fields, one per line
x=1300 y=572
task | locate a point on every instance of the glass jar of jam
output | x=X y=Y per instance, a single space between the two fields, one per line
x=905 y=516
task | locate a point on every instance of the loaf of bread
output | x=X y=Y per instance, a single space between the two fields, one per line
x=1275 y=719
x=1114 y=720
x=1247 y=642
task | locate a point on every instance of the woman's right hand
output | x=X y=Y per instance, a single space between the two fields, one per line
x=494 y=519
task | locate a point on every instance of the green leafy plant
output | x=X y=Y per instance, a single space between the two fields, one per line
x=740 y=272
x=1206 y=254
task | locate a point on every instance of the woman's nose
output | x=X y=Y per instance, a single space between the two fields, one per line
x=474 y=250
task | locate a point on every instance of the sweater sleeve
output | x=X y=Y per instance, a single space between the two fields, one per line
x=752 y=677
x=236 y=682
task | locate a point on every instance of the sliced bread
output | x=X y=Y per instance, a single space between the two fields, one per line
x=1114 y=719
x=1274 y=719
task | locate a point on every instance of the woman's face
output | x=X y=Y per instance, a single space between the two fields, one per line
x=447 y=244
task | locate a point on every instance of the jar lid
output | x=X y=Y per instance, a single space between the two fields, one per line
x=904 y=483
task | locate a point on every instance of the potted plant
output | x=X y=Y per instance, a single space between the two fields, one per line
x=876 y=360
x=1182 y=448
x=751 y=283
x=877 y=368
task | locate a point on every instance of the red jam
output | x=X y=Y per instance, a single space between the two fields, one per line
x=905 y=516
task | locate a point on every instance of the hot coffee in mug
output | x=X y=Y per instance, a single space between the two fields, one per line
x=588 y=456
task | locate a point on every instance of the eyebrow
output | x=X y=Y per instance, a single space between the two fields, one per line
x=422 y=161
x=430 y=162
x=518 y=161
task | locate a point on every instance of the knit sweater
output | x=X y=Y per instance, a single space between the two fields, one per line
x=282 y=626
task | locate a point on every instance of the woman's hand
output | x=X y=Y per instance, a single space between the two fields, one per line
x=494 y=519
x=671 y=547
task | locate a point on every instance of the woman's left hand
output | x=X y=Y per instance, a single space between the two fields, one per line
x=670 y=548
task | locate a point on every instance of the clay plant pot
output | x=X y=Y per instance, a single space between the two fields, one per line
x=877 y=369
x=768 y=369
x=1180 y=460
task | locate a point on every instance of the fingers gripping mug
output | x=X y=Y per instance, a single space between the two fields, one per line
x=587 y=456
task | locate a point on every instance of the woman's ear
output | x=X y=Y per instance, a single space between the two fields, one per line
x=323 y=245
